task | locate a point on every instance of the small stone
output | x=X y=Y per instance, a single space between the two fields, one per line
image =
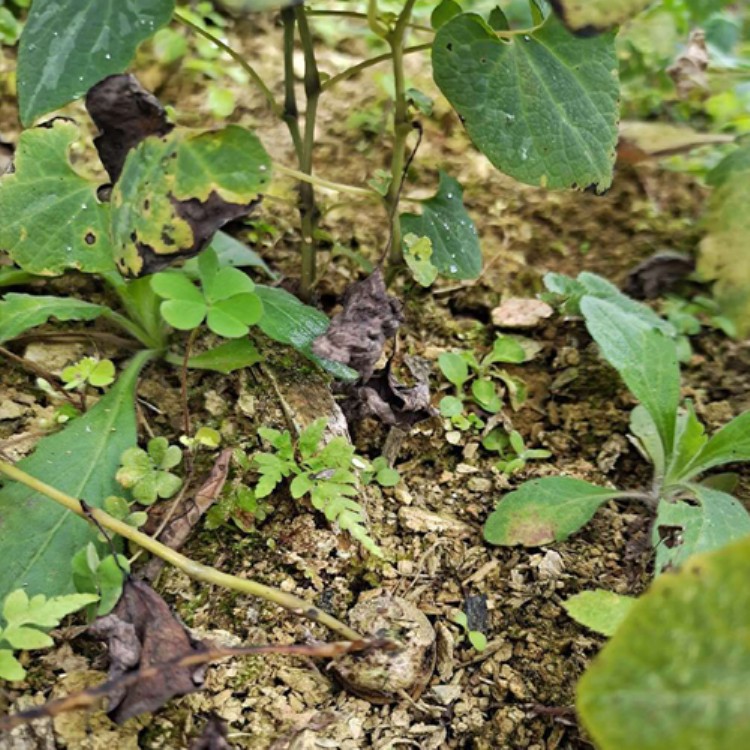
x=11 y=410
x=466 y=469
x=453 y=437
x=551 y=565
x=517 y=312
x=447 y=694
x=422 y=521
x=470 y=451
x=246 y=404
x=479 y=484
x=402 y=494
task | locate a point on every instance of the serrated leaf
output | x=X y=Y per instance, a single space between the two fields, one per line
x=675 y=673
x=594 y=16
x=39 y=610
x=50 y=217
x=455 y=247
x=645 y=358
x=26 y=638
x=227 y=357
x=81 y=460
x=716 y=519
x=175 y=191
x=310 y=438
x=21 y=312
x=731 y=443
x=543 y=107
x=69 y=45
x=601 y=611
x=544 y=510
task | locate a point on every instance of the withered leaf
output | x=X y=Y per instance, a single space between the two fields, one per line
x=658 y=274
x=214 y=736
x=142 y=633
x=125 y=114
x=357 y=335
x=689 y=70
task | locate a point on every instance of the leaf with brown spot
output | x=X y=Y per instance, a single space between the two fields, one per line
x=545 y=510
x=586 y=17
x=690 y=70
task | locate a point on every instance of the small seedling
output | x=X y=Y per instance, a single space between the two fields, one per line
x=476 y=638
x=26 y=622
x=89 y=371
x=327 y=473
x=689 y=317
x=146 y=473
x=102 y=576
x=206 y=437
x=512 y=449
x=239 y=505
x=378 y=471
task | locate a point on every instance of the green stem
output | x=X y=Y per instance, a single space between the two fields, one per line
x=249 y=69
x=195 y=570
x=361 y=16
x=291 y=113
x=401 y=129
x=321 y=182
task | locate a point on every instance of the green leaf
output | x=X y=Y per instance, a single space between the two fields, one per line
x=682 y=529
x=289 y=321
x=175 y=191
x=232 y=252
x=183 y=315
x=730 y=444
x=231 y=317
x=544 y=510
x=478 y=640
x=594 y=16
x=443 y=12
x=675 y=673
x=645 y=430
x=69 y=45
x=81 y=460
x=174 y=285
x=455 y=247
x=19 y=610
x=505 y=349
x=225 y=358
x=418 y=254
x=454 y=368
x=310 y=438
x=21 y=312
x=599 y=610
x=301 y=485
x=50 y=217
x=645 y=358
x=690 y=438
x=485 y=394
x=450 y=406
x=387 y=477
x=543 y=107
x=226 y=283
x=497 y=19
x=10 y=667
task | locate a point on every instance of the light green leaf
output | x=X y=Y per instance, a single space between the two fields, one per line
x=450 y=406
x=682 y=529
x=544 y=510
x=485 y=394
x=444 y=220
x=730 y=444
x=175 y=285
x=599 y=610
x=225 y=358
x=81 y=460
x=418 y=254
x=675 y=673
x=543 y=107
x=645 y=358
x=19 y=610
x=21 y=312
x=592 y=16
x=231 y=317
x=454 y=368
x=10 y=667
x=183 y=315
x=506 y=349
x=226 y=283
x=69 y=45
x=50 y=217
x=690 y=438
x=309 y=440
x=645 y=430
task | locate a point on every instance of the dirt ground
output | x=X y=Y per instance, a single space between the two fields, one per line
x=519 y=692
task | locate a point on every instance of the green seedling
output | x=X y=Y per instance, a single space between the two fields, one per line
x=326 y=472
x=102 y=576
x=693 y=513
x=240 y=505
x=689 y=317
x=25 y=623
x=378 y=471
x=512 y=449
x=146 y=472
x=89 y=371
x=226 y=299
x=206 y=437
x=477 y=639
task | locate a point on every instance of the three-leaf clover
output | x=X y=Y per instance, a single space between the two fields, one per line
x=146 y=473
x=89 y=370
x=226 y=299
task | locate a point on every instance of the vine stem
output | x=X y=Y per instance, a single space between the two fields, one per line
x=244 y=64
x=195 y=570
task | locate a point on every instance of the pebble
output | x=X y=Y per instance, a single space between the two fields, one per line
x=518 y=312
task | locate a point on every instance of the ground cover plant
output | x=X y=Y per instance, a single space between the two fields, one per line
x=271 y=245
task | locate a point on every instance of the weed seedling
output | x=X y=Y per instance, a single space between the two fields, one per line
x=88 y=371
x=146 y=472
x=513 y=451
x=477 y=639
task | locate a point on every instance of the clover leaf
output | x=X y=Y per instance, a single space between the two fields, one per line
x=89 y=370
x=146 y=473
x=226 y=299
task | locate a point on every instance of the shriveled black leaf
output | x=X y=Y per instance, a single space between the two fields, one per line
x=125 y=114
x=214 y=736
x=658 y=274
x=142 y=632
x=357 y=335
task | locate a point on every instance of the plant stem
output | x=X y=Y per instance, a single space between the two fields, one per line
x=291 y=113
x=321 y=182
x=362 y=16
x=401 y=128
x=359 y=67
x=249 y=69
x=194 y=569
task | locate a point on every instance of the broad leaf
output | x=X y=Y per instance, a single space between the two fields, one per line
x=592 y=16
x=225 y=358
x=21 y=312
x=683 y=529
x=232 y=252
x=50 y=217
x=731 y=443
x=289 y=321
x=723 y=252
x=543 y=107
x=675 y=673
x=39 y=537
x=69 y=45
x=175 y=191
x=544 y=510
x=645 y=358
x=599 y=610
x=455 y=247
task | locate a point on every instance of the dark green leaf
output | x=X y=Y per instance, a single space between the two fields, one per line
x=443 y=12
x=225 y=358
x=690 y=437
x=498 y=20
x=543 y=107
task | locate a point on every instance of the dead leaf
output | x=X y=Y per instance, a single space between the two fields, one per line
x=357 y=335
x=142 y=633
x=689 y=70
x=125 y=114
x=658 y=274
x=214 y=736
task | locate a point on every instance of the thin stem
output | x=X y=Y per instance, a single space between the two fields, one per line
x=362 y=16
x=194 y=569
x=359 y=67
x=249 y=69
x=321 y=182
x=183 y=382
x=291 y=113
